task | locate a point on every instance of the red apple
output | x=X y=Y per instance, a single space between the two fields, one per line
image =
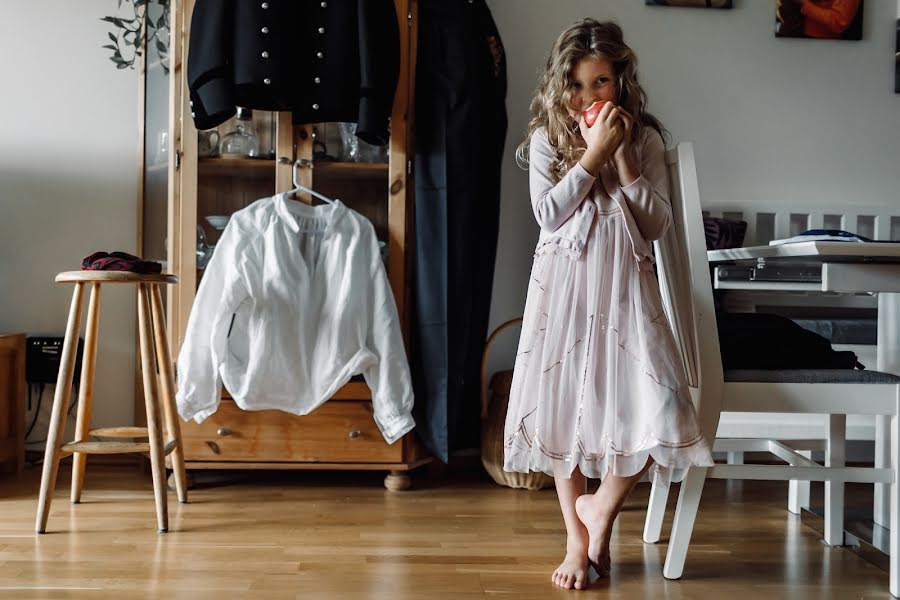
x=592 y=112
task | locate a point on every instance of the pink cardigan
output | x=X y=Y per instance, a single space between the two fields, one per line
x=564 y=216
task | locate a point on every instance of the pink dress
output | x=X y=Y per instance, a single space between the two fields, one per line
x=598 y=381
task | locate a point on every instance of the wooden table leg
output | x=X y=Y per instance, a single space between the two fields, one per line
x=60 y=408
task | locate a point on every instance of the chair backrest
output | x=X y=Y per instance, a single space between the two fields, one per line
x=687 y=290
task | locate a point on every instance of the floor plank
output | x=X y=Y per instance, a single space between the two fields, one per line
x=341 y=535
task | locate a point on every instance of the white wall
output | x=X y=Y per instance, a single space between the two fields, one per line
x=803 y=120
x=808 y=121
x=68 y=155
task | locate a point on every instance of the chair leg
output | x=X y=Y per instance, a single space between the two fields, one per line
x=683 y=525
x=60 y=408
x=151 y=400
x=798 y=491
x=86 y=391
x=656 y=510
x=894 y=548
x=882 y=501
x=834 y=491
x=167 y=381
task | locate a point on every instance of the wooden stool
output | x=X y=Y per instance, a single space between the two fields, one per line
x=149 y=302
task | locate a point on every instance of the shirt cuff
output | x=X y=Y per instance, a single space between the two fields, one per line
x=190 y=410
x=213 y=103
x=639 y=182
x=395 y=427
x=372 y=122
x=581 y=174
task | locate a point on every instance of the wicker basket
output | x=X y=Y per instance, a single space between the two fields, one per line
x=493 y=418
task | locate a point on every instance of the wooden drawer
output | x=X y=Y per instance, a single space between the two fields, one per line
x=12 y=401
x=336 y=432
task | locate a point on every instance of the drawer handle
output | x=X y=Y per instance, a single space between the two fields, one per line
x=223 y=431
x=355 y=433
x=214 y=447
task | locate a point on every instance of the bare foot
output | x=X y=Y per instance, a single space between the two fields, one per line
x=573 y=572
x=599 y=530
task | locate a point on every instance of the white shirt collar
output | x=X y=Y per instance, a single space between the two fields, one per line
x=286 y=209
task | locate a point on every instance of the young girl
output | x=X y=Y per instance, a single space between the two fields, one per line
x=599 y=388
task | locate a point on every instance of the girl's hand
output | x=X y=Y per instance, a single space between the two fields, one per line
x=602 y=138
x=623 y=157
x=624 y=148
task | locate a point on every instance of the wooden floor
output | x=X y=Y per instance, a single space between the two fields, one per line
x=342 y=536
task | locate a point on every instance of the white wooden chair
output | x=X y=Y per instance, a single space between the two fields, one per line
x=687 y=296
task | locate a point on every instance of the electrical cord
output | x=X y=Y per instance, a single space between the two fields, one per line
x=37 y=410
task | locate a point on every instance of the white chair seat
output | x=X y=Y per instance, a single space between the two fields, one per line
x=809 y=376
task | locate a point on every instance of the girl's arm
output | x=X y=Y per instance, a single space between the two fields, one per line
x=553 y=203
x=648 y=195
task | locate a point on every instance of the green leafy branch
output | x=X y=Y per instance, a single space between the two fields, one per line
x=130 y=35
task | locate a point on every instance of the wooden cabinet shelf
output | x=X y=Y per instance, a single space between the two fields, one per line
x=347 y=169
x=260 y=167
x=244 y=167
x=341 y=433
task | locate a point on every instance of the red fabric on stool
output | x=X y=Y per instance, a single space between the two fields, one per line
x=119 y=261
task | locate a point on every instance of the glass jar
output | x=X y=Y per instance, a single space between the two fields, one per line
x=242 y=142
x=349 y=142
x=356 y=150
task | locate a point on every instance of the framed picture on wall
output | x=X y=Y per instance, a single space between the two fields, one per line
x=897 y=56
x=692 y=3
x=819 y=19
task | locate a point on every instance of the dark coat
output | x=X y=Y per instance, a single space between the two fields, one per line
x=324 y=60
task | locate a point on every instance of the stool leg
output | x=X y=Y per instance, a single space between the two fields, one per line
x=86 y=391
x=60 y=408
x=167 y=381
x=151 y=399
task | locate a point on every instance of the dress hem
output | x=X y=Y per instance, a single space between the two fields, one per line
x=670 y=462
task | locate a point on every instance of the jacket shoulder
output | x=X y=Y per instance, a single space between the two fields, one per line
x=256 y=216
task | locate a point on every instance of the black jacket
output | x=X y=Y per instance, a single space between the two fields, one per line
x=324 y=60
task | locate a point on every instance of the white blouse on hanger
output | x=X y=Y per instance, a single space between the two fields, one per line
x=294 y=302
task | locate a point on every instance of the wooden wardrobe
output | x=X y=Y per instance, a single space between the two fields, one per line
x=179 y=189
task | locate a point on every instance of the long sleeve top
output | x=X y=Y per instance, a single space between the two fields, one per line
x=293 y=303
x=564 y=216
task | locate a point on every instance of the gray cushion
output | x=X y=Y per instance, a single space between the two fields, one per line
x=810 y=376
x=843 y=331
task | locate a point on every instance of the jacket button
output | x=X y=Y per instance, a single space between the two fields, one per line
x=265 y=54
x=318 y=80
x=267 y=81
x=324 y=4
x=264 y=30
x=321 y=30
x=319 y=55
x=264 y=5
x=315 y=107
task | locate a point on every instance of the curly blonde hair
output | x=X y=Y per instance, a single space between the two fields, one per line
x=549 y=108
